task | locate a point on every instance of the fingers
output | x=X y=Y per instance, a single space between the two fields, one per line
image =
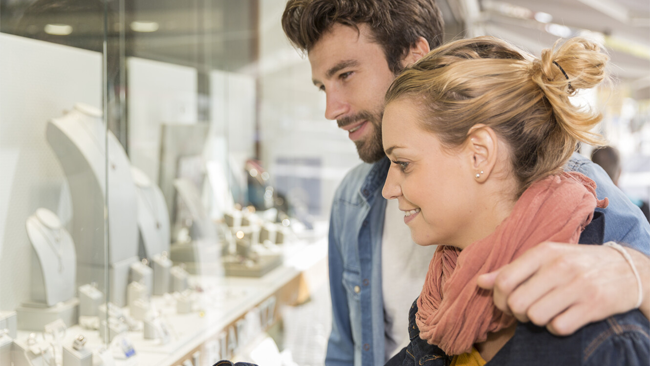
x=570 y=320
x=486 y=281
x=515 y=274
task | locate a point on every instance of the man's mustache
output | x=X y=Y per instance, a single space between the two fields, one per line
x=361 y=116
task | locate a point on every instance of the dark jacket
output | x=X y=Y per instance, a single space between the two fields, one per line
x=619 y=340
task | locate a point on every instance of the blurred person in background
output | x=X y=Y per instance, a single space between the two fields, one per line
x=609 y=159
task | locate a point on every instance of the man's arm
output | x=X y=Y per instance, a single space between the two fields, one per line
x=340 y=347
x=565 y=287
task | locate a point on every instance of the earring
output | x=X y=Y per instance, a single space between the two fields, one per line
x=478 y=175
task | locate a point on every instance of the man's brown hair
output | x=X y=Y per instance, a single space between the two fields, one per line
x=396 y=24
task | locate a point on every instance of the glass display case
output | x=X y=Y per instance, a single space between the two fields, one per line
x=165 y=196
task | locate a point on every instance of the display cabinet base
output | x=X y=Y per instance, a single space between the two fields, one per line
x=264 y=265
x=73 y=357
x=34 y=317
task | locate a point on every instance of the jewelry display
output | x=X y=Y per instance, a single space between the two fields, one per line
x=184 y=302
x=109 y=330
x=79 y=342
x=77 y=354
x=90 y=298
x=142 y=273
x=139 y=310
x=136 y=291
x=153 y=216
x=54 y=259
x=103 y=357
x=124 y=347
x=180 y=279
x=84 y=147
x=9 y=322
x=156 y=328
x=161 y=274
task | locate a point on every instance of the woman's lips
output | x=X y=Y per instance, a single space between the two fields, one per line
x=410 y=215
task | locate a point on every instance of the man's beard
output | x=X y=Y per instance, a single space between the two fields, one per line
x=370 y=149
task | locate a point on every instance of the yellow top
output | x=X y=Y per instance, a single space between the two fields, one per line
x=468 y=359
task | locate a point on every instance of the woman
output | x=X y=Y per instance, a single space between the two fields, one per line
x=478 y=133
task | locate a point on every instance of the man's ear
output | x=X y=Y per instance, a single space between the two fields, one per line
x=482 y=147
x=419 y=50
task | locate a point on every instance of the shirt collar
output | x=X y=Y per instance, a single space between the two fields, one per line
x=375 y=179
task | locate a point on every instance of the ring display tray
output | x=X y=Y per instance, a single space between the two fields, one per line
x=262 y=266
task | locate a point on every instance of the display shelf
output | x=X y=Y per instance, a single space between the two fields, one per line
x=228 y=312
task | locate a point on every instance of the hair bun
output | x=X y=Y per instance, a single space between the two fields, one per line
x=576 y=64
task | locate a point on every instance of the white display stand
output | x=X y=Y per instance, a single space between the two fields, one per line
x=79 y=140
x=54 y=264
x=202 y=227
x=153 y=216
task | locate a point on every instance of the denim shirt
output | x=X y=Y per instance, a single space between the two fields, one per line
x=356 y=227
x=619 y=340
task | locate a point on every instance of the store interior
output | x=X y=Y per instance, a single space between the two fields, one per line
x=169 y=172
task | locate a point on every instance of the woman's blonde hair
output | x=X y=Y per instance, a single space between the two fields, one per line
x=485 y=80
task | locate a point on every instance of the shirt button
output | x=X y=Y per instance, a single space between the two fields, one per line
x=366 y=282
x=365 y=192
x=357 y=289
x=366 y=347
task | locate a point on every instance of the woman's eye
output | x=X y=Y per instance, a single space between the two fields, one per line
x=401 y=164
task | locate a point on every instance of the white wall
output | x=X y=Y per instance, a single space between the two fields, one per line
x=158 y=93
x=43 y=80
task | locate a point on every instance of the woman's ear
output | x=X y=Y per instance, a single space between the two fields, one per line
x=419 y=50
x=482 y=147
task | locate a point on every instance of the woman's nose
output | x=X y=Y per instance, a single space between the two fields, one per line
x=391 y=189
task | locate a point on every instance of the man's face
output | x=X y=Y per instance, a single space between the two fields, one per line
x=354 y=74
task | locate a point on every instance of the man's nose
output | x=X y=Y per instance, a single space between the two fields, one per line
x=336 y=105
x=391 y=189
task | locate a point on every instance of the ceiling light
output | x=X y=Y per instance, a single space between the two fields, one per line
x=559 y=30
x=140 y=26
x=542 y=17
x=58 y=29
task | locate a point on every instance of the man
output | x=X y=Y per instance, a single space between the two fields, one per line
x=356 y=48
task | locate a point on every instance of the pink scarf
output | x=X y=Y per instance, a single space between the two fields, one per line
x=453 y=312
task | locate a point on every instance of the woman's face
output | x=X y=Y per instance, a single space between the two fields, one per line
x=436 y=186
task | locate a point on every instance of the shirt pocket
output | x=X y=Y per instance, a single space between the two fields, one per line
x=352 y=284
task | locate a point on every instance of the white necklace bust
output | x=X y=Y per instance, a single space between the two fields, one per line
x=54 y=261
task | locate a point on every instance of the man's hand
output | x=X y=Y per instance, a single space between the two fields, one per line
x=565 y=287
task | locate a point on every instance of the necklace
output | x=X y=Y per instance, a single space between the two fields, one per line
x=145 y=187
x=50 y=238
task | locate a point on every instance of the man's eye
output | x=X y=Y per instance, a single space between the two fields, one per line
x=345 y=75
x=321 y=88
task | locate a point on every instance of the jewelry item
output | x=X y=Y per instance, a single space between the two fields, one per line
x=79 y=342
x=54 y=240
x=478 y=175
x=628 y=259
